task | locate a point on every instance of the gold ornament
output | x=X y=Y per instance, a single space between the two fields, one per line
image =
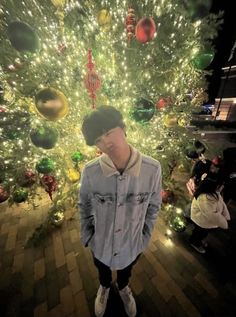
x=104 y=17
x=170 y=120
x=182 y=122
x=51 y=104
x=73 y=175
x=58 y=3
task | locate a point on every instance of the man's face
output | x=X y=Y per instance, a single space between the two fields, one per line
x=112 y=142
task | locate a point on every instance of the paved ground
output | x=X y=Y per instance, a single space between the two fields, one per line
x=58 y=279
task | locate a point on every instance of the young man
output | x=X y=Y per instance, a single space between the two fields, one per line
x=119 y=202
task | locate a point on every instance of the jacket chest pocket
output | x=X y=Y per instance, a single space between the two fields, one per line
x=137 y=205
x=103 y=201
x=137 y=199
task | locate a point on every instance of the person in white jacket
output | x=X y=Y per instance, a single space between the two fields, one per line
x=208 y=211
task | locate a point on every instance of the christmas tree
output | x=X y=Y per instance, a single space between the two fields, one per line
x=62 y=58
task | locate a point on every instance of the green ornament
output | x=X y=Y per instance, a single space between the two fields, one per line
x=45 y=165
x=20 y=195
x=177 y=223
x=77 y=157
x=22 y=37
x=202 y=60
x=44 y=137
x=142 y=111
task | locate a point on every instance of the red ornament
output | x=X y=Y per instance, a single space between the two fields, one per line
x=27 y=179
x=49 y=183
x=2 y=109
x=130 y=23
x=92 y=80
x=4 y=195
x=145 y=30
x=162 y=103
x=168 y=197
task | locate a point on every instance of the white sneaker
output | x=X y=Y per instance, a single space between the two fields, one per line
x=101 y=300
x=129 y=301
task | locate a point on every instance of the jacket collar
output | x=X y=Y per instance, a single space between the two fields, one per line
x=132 y=168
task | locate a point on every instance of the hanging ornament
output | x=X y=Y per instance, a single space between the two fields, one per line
x=26 y=178
x=57 y=218
x=73 y=175
x=51 y=104
x=20 y=195
x=4 y=194
x=98 y=152
x=177 y=223
x=163 y=102
x=77 y=157
x=182 y=122
x=168 y=196
x=44 y=136
x=104 y=18
x=143 y=110
x=130 y=23
x=145 y=30
x=49 y=183
x=170 y=120
x=2 y=109
x=23 y=37
x=92 y=80
x=202 y=59
x=45 y=165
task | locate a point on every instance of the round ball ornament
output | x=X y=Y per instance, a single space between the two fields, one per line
x=162 y=103
x=57 y=218
x=77 y=157
x=51 y=104
x=4 y=194
x=45 y=165
x=182 y=122
x=170 y=120
x=20 y=195
x=177 y=223
x=73 y=175
x=143 y=110
x=104 y=17
x=44 y=137
x=168 y=196
x=22 y=37
x=26 y=178
x=145 y=30
x=202 y=60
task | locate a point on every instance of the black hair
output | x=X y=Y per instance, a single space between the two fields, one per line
x=209 y=185
x=99 y=121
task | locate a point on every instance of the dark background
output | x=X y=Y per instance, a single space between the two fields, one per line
x=223 y=45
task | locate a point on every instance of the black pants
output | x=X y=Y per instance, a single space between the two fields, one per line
x=105 y=274
x=198 y=235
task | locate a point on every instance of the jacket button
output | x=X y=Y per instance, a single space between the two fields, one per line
x=115 y=254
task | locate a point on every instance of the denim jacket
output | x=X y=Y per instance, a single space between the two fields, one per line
x=118 y=212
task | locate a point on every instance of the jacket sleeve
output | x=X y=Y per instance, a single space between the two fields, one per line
x=85 y=211
x=154 y=205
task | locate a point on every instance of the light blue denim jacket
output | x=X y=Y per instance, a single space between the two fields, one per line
x=118 y=212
